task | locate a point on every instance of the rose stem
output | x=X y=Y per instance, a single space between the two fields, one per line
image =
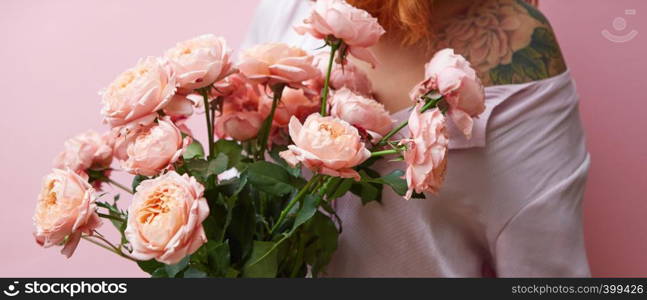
x=385 y=152
x=428 y=105
x=292 y=202
x=264 y=134
x=119 y=185
x=324 y=93
x=207 y=112
x=115 y=251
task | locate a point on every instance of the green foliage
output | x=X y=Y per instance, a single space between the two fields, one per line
x=175 y=269
x=203 y=170
x=269 y=178
x=150 y=266
x=307 y=210
x=194 y=150
x=368 y=190
x=118 y=217
x=263 y=261
x=232 y=150
x=396 y=181
x=321 y=236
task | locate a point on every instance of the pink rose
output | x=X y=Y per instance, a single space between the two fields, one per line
x=361 y=112
x=138 y=92
x=326 y=145
x=357 y=28
x=179 y=107
x=147 y=150
x=88 y=150
x=240 y=126
x=66 y=209
x=426 y=154
x=165 y=218
x=294 y=102
x=277 y=63
x=242 y=115
x=453 y=77
x=348 y=75
x=200 y=61
x=230 y=85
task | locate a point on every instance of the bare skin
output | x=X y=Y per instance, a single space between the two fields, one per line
x=507 y=42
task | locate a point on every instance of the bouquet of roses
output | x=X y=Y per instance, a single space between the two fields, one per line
x=238 y=204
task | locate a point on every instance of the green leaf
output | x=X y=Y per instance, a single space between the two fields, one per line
x=137 y=180
x=366 y=192
x=194 y=150
x=159 y=273
x=232 y=273
x=341 y=189
x=172 y=270
x=261 y=264
x=396 y=181
x=322 y=235
x=202 y=169
x=270 y=178
x=149 y=266
x=219 y=257
x=218 y=164
x=194 y=273
x=307 y=210
x=242 y=228
x=230 y=148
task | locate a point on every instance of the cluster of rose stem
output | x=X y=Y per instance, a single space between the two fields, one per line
x=318 y=178
x=304 y=190
x=106 y=245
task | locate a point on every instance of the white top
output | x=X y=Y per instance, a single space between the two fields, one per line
x=511 y=202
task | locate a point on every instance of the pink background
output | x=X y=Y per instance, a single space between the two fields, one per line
x=56 y=55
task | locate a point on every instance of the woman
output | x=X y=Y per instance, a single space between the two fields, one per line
x=511 y=203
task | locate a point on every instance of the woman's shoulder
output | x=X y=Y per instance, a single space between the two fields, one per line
x=507 y=42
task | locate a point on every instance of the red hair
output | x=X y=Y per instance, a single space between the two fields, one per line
x=410 y=17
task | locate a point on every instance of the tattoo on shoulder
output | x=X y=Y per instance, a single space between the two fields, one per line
x=507 y=42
